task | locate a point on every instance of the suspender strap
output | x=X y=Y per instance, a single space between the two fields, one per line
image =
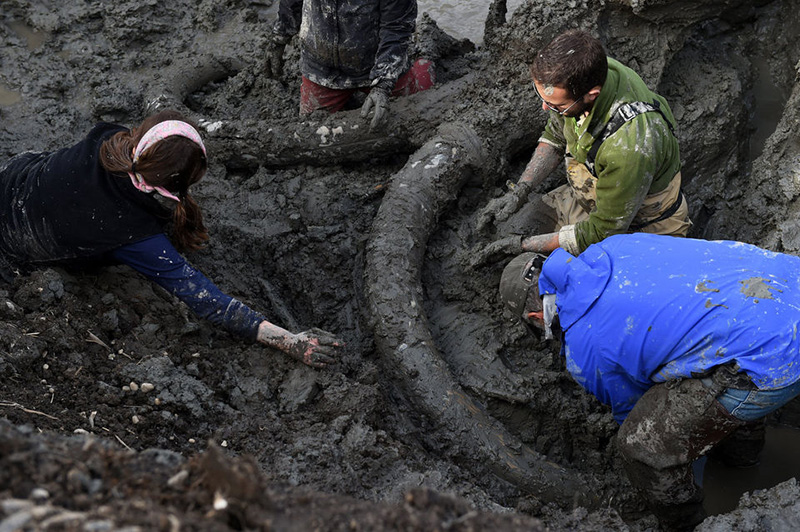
x=664 y=215
x=624 y=113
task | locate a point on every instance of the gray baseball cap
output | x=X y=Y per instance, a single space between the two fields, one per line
x=519 y=277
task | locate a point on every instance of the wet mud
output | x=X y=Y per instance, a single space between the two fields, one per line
x=121 y=409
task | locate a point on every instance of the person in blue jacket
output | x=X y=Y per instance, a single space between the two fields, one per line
x=691 y=343
x=111 y=198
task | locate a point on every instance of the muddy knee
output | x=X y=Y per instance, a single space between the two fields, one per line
x=673 y=424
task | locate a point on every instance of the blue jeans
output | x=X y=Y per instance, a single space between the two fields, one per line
x=751 y=405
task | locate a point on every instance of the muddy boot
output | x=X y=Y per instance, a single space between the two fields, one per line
x=671 y=493
x=669 y=427
x=742 y=447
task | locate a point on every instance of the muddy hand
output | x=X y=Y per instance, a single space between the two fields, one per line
x=378 y=101
x=273 y=65
x=500 y=209
x=315 y=347
x=497 y=250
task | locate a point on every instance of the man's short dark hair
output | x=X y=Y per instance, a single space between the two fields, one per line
x=574 y=60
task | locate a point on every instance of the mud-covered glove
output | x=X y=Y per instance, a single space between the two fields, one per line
x=377 y=100
x=499 y=209
x=273 y=62
x=497 y=250
x=314 y=347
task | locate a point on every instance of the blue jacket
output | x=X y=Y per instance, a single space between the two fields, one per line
x=641 y=309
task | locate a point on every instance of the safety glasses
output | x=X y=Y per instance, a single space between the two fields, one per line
x=552 y=107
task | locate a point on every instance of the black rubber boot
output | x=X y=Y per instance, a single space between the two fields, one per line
x=743 y=447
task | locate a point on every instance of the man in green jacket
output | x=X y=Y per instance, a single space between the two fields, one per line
x=622 y=157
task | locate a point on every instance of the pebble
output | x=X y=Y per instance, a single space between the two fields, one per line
x=133 y=386
x=40 y=494
x=147 y=387
x=17 y=521
x=12 y=506
x=98 y=526
x=46 y=367
x=135 y=419
x=157 y=401
x=178 y=478
x=219 y=501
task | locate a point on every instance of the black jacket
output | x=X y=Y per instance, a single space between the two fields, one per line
x=349 y=43
x=64 y=205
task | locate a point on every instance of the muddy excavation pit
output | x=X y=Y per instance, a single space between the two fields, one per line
x=120 y=409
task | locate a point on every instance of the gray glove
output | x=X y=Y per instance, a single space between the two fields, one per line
x=500 y=209
x=497 y=250
x=273 y=62
x=378 y=98
x=314 y=347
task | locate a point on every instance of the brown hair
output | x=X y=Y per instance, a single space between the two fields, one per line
x=574 y=60
x=174 y=163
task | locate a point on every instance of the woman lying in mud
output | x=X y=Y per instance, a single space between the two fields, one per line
x=109 y=199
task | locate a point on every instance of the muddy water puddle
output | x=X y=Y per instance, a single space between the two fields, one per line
x=33 y=40
x=8 y=97
x=780 y=461
x=462 y=18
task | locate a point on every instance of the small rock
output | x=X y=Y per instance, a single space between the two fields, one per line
x=133 y=386
x=12 y=506
x=219 y=502
x=17 y=521
x=178 y=479
x=40 y=494
x=98 y=526
x=135 y=419
x=147 y=387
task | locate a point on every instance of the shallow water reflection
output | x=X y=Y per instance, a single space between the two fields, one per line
x=463 y=18
x=780 y=461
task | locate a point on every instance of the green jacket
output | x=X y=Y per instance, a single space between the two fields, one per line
x=641 y=158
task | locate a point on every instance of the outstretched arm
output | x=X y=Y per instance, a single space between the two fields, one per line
x=541 y=243
x=544 y=160
x=159 y=261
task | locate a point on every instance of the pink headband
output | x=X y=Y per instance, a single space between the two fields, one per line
x=158 y=132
